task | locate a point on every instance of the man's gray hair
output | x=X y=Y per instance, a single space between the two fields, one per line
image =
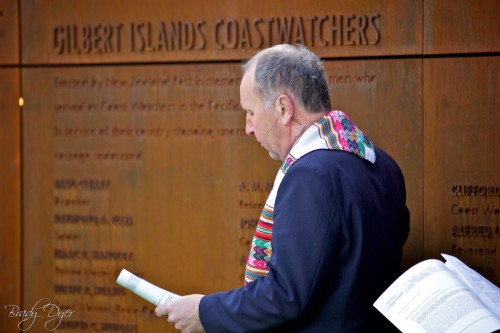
x=293 y=70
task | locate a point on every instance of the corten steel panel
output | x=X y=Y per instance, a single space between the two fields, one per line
x=10 y=198
x=146 y=168
x=58 y=31
x=9 y=32
x=461 y=26
x=384 y=97
x=461 y=164
x=187 y=195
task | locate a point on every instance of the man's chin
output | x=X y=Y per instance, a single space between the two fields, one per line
x=274 y=156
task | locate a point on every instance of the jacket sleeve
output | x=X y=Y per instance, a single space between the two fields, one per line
x=301 y=234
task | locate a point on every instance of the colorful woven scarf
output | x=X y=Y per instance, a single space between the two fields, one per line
x=333 y=131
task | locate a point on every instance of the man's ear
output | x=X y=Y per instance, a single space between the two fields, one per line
x=284 y=107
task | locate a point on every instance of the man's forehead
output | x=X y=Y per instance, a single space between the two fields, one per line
x=247 y=83
x=248 y=75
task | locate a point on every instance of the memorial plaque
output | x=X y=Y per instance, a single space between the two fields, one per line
x=9 y=32
x=10 y=196
x=146 y=168
x=384 y=97
x=461 y=26
x=92 y=31
x=461 y=149
x=134 y=153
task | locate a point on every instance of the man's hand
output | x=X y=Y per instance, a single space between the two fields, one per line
x=183 y=313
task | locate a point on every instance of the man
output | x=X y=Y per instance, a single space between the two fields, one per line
x=335 y=221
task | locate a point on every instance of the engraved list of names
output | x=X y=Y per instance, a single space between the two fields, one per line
x=139 y=168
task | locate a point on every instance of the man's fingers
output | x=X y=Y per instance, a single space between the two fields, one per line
x=161 y=310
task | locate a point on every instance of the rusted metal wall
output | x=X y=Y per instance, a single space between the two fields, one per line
x=461 y=164
x=10 y=166
x=134 y=154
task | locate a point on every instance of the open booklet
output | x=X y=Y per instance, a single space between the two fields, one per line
x=433 y=296
x=145 y=289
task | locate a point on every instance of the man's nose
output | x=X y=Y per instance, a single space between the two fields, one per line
x=248 y=125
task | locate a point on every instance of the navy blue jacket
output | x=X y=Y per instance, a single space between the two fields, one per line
x=340 y=223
